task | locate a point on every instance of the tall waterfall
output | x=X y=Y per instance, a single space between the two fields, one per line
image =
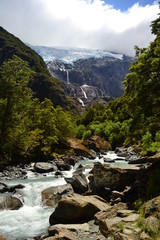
x=84 y=93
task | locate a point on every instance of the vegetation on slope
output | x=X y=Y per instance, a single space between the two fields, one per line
x=43 y=84
x=134 y=117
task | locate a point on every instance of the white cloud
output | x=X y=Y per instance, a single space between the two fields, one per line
x=78 y=23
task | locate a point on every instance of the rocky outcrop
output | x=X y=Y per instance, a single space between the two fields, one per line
x=79 y=148
x=97 y=144
x=52 y=195
x=9 y=202
x=78 y=181
x=77 y=209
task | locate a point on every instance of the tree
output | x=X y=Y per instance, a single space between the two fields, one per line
x=15 y=99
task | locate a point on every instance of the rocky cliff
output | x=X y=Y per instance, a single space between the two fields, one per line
x=90 y=75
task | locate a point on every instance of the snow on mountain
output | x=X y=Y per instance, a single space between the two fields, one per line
x=70 y=55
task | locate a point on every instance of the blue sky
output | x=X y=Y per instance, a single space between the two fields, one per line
x=95 y=24
x=125 y=4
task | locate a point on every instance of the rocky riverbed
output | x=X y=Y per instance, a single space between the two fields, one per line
x=100 y=203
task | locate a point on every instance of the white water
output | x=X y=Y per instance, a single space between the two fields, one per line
x=81 y=101
x=33 y=219
x=84 y=93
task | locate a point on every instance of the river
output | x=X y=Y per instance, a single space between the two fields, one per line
x=33 y=218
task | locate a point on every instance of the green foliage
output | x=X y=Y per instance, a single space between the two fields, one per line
x=80 y=131
x=28 y=128
x=87 y=134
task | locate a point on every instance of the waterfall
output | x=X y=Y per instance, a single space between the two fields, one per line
x=67 y=71
x=84 y=93
x=81 y=101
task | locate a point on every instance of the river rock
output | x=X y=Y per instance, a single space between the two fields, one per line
x=62 y=165
x=72 y=227
x=3 y=237
x=9 y=202
x=52 y=195
x=115 y=178
x=78 y=181
x=3 y=187
x=43 y=167
x=75 y=208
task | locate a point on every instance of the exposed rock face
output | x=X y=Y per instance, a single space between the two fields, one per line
x=9 y=202
x=106 y=74
x=77 y=209
x=52 y=195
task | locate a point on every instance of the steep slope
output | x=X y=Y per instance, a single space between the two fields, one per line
x=44 y=85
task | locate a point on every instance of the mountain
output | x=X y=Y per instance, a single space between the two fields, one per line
x=91 y=75
x=43 y=84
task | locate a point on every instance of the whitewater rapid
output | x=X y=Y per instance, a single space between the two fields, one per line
x=33 y=218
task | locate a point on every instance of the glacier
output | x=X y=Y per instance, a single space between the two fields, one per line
x=70 y=55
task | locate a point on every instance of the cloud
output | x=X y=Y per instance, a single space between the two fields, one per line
x=79 y=23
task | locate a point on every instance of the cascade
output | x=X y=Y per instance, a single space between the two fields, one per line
x=33 y=218
x=81 y=101
x=84 y=93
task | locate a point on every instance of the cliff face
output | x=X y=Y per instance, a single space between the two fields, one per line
x=104 y=74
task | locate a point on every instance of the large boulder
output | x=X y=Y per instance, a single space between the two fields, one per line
x=115 y=178
x=44 y=167
x=3 y=237
x=78 y=181
x=97 y=144
x=77 y=209
x=52 y=195
x=9 y=202
x=79 y=148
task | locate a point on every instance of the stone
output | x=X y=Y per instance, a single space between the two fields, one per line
x=43 y=167
x=97 y=144
x=71 y=227
x=3 y=237
x=151 y=207
x=110 y=212
x=115 y=178
x=75 y=208
x=124 y=212
x=52 y=195
x=152 y=223
x=121 y=236
x=144 y=236
x=78 y=181
x=9 y=202
x=60 y=234
x=79 y=148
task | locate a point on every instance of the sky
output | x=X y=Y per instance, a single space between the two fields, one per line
x=112 y=25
